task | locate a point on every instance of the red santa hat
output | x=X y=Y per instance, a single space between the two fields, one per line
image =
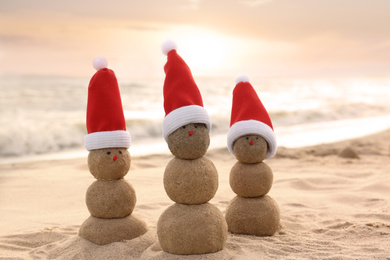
x=249 y=116
x=106 y=123
x=183 y=102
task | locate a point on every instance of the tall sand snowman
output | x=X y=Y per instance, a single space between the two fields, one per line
x=251 y=139
x=192 y=225
x=110 y=199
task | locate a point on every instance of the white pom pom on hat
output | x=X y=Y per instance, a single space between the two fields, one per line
x=100 y=63
x=168 y=46
x=242 y=78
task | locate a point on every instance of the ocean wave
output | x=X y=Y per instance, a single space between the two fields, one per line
x=41 y=115
x=37 y=136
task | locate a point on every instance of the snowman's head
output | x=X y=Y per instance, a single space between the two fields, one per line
x=189 y=141
x=250 y=148
x=109 y=163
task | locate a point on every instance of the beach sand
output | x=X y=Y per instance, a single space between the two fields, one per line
x=331 y=207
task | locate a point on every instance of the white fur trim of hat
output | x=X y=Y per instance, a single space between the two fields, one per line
x=247 y=127
x=107 y=139
x=183 y=116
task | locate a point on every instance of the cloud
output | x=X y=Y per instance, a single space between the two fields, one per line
x=194 y=4
x=18 y=40
x=253 y=3
x=147 y=27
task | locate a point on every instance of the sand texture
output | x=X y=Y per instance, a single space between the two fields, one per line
x=192 y=229
x=253 y=216
x=103 y=167
x=105 y=231
x=331 y=206
x=251 y=180
x=110 y=199
x=250 y=149
x=191 y=181
x=190 y=141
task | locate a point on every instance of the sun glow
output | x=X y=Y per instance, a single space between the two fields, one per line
x=203 y=50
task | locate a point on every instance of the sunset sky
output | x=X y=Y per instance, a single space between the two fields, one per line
x=282 y=38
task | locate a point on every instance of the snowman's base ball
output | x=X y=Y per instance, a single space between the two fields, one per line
x=192 y=229
x=253 y=216
x=110 y=199
x=191 y=181
x=105 y=231
x=251 y=180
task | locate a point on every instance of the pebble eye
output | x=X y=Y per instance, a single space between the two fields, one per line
x=196 y=126
x=120 y=152
x=184 y=127
x=108 y=153
x=257 y=138
x=247 y=138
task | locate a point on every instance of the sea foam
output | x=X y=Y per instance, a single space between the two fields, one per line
x=44 y=115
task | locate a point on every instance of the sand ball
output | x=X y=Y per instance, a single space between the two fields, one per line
x=105 y=231
x=191 y=181
x=110 y=199
x=109 y=163
x=348 y=153
x=253 y=216
x=190 y=141
x=250 y=148
x=192 y=229
x=251 y=180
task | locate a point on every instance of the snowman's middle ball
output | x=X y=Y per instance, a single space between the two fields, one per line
x=190 y=181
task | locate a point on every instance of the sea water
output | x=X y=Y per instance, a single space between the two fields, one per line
x=46 y=115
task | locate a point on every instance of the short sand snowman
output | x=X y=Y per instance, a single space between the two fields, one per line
x=110 y=199
x=192 y=225
x=251 y=139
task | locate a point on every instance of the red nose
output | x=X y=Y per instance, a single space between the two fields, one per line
x=251 y=142
x=190 y=132
x=115 y=157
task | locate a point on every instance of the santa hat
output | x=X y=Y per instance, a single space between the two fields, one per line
x=106 y=123
x=249 y=117
x=183 y=102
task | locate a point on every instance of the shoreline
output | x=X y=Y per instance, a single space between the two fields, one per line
x=297 y=136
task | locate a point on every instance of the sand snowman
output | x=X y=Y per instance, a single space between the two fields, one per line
x=191 y=225
x=251 y=139
x=110 y=199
